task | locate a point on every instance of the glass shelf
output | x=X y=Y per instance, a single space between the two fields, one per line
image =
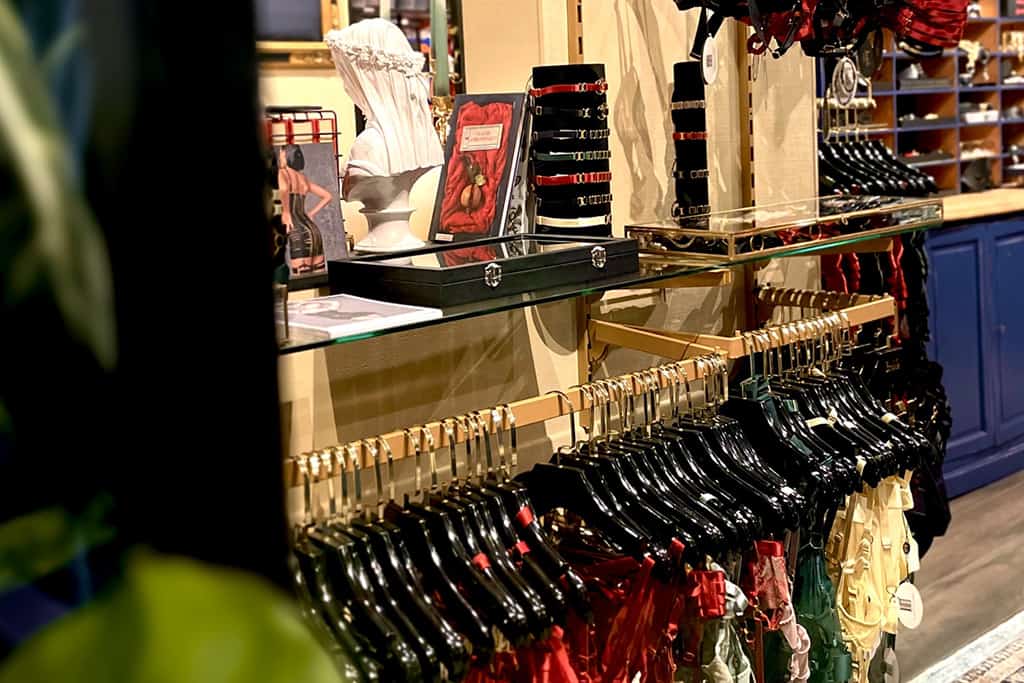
x=662 y=267
x=770 y=230
x=929 y=164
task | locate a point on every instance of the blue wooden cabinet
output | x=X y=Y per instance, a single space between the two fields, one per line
x=976 y=292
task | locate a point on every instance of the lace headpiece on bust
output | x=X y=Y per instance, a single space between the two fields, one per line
x=366 y=57
x=383 y=76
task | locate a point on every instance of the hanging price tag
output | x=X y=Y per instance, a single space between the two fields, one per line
x=709 y=61
x=910 y=606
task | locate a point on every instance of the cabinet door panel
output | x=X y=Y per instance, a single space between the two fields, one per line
x=1008 y=327
x=959 y=335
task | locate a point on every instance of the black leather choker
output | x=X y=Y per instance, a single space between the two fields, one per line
x=599 y=112
x=568 y=134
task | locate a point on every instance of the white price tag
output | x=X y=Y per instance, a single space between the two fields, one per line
x=709 y=61
x=910 y=606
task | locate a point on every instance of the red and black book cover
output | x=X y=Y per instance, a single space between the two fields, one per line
x=481 y=159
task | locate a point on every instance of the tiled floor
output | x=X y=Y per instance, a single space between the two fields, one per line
x=972 y=580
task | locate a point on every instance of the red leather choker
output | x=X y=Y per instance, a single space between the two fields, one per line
x=690 y=136
x=568 y=88
x=572 y=179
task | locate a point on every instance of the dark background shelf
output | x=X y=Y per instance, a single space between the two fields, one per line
x=892 y=102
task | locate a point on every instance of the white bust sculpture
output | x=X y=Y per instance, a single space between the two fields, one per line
x=384 y=77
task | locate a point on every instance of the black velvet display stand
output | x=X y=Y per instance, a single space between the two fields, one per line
x=564 y=202
x=691 y=168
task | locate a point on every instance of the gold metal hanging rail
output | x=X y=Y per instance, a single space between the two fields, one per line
x=528 y=411
x=691 y=349
x=858 y=309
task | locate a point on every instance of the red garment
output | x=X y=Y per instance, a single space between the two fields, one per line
x=897 y=286
x=693 y=630
x=626 y=641
x=636 y=619
x=939 y=23
x=546 y=662
x=669 y=604
x=851 y=268
x=455 y=218
x=766 y=582
x=832 y=275
x=499 y=670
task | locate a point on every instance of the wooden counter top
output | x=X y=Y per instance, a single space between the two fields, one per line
x=965 y=207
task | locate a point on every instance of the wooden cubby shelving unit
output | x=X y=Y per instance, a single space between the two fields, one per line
x=947 y=134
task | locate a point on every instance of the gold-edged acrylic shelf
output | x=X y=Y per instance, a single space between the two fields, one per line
x=815 y=225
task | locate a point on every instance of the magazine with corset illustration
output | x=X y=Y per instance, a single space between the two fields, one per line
x=342 y=315
x=310 y=230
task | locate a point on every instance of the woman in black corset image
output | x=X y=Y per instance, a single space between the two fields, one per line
x=305 y=241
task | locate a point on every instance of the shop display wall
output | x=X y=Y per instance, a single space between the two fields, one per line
x=338 y=394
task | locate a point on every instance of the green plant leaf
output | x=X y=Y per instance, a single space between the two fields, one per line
x=39 y=543
x=65 y=247
x=175 y=621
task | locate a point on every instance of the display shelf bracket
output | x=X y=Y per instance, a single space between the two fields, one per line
x=678 y=345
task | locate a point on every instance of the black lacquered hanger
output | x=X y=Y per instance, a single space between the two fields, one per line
x=479 y=521
x=387 y=544
x=418 y=542
x=716 y=459
x=349 y=580
x=447 y=529
x=515 y=551
x=309 y=571
x=584 y=490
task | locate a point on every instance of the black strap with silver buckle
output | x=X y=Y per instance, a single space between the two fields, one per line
x=588 y=155
x=682 y=105
x=691 y=174
x=572 y=134
x=580 y=202
x=599 y=112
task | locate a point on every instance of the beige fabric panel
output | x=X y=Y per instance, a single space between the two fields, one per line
x=785 y=159
x=503 y=40
x=785 y=151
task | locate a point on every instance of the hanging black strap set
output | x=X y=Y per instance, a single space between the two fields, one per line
x=690 y=137
x=569 y=152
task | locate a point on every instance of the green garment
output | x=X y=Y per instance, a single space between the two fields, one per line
x=814 y=600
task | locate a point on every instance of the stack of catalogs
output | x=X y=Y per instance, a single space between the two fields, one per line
x=691 y=141
x=571 y=174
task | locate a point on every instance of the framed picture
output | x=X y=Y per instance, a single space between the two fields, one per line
x=290 y=33
x=483 y=164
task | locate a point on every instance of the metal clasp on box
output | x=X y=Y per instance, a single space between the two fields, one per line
x=598 y=257
x=492 y=275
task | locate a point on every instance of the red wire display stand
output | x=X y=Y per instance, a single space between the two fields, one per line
x=286 y=125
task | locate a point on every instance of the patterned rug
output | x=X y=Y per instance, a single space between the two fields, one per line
x=996 y=657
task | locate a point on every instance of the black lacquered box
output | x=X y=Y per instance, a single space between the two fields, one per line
x=455 y=274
